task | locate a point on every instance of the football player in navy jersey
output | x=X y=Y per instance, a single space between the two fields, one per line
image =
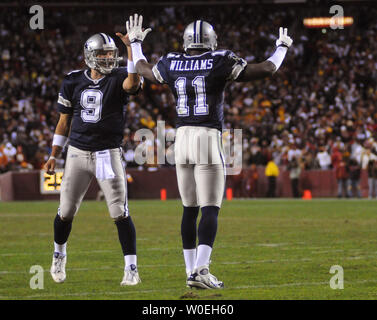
x=197 y=79
x=92 y=116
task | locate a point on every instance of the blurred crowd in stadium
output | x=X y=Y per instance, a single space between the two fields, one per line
x=317 y=112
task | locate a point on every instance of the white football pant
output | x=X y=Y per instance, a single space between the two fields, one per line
x=79 y=170
x=200 y=166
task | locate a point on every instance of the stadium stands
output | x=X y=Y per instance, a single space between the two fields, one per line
x=321 y=103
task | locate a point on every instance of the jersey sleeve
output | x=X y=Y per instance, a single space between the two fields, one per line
x=65 y=104
x=161 y=70
x=234 y=66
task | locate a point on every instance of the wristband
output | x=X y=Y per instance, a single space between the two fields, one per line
x=59 y=140
x=131 y=67
x=52 y=158
x=137 y=52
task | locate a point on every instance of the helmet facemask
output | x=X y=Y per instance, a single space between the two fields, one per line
x=100 y=56
x=105 y=60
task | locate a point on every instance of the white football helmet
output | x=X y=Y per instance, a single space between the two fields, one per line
x=199 y=35
x=100 y=44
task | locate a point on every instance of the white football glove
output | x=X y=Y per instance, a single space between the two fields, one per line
x=134 y=30
x=284 y=39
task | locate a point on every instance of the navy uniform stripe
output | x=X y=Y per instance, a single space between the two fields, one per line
x=103 y=37
x=195 y=32
x=200 y=32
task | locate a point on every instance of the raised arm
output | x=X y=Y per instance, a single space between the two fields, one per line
x=267 y=68
x=136 y=35
x=145 y=70
x=132 y=82
x=255 y=71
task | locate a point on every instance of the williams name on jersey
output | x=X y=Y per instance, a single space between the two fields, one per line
x=197 y=82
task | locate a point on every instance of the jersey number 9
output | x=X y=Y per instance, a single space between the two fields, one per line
x=91 y=101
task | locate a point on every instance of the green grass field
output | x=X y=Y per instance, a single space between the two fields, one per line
x=265 y=249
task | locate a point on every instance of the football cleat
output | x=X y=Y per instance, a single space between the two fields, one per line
x=58 y=267
x=201 y=278
x=131 y=277
x=188 y=274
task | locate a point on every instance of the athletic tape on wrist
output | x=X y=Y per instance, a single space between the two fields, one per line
x=278 y=57
x=131 y=67
x=137 y=53
x=59 y=140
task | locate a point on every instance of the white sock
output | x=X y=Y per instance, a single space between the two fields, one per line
x=61 y=248
x=203 y=255
x=130 y=259
x=190 y=257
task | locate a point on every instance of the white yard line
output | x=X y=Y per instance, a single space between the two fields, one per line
x=284 y=246
x=133 y=292
x=120 y=267
x=23 y=215
x=271 y=244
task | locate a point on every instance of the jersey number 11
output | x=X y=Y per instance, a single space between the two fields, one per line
x=200 y=107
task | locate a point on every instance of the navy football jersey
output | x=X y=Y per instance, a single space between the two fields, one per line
x=97 y=107
x=198 y=83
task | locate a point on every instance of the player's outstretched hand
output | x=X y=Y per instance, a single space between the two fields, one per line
x=49 y=166
x=134 y=29
x=125 y=38
x=284 y=39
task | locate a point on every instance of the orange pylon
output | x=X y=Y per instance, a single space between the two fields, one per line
x=229 y=193
x=163 y=194
x=307 y=195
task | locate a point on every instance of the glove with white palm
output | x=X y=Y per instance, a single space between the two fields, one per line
x=284 y=40
x=134 y=29
x=282 y=44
